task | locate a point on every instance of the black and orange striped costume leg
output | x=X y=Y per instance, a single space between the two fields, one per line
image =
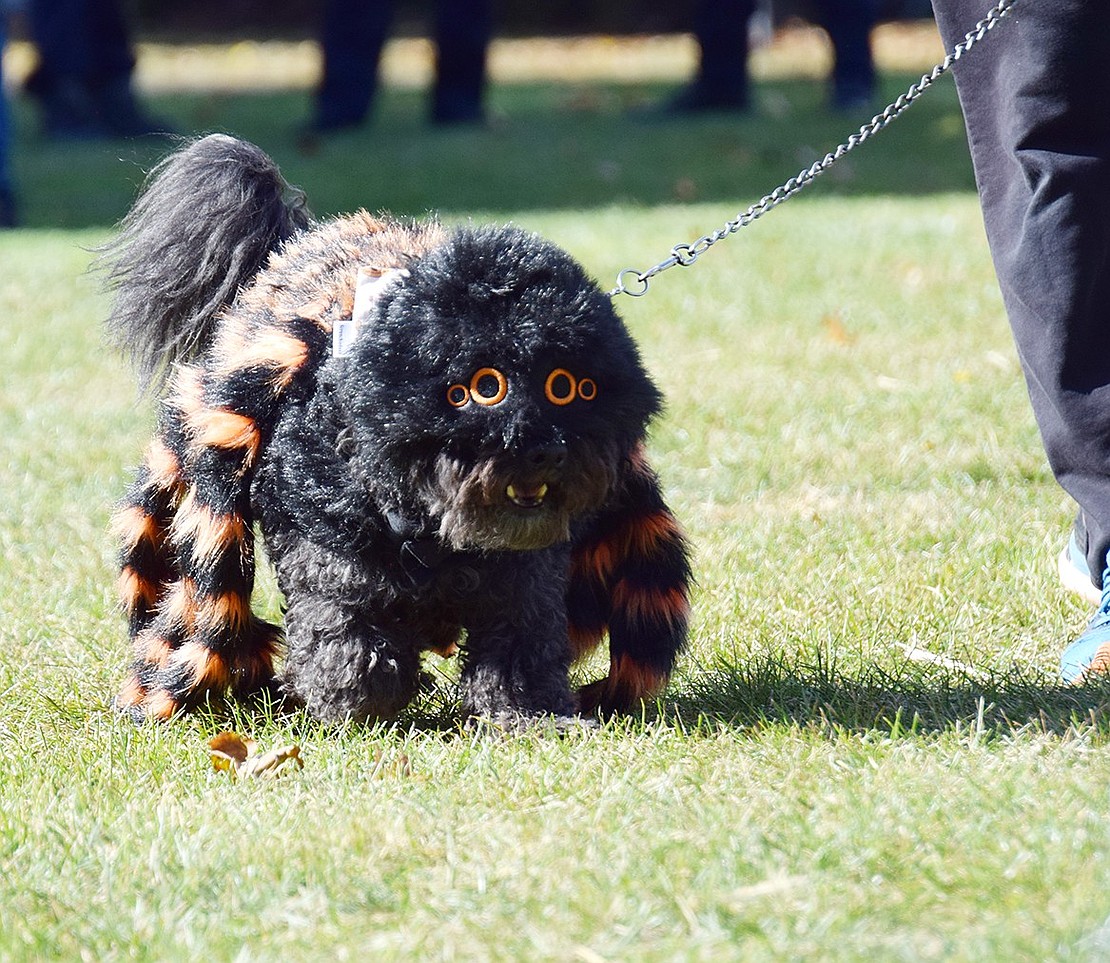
x=186 y=530
x=630 y=576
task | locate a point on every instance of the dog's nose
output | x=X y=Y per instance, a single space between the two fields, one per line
x=545 y=458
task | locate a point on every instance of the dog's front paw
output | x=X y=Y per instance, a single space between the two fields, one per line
x=345 y=674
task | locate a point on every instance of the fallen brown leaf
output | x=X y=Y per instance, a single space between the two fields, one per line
x=240 y=757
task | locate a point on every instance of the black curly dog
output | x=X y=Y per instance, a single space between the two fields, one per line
x=439 y=432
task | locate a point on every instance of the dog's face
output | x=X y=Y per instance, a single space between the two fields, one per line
x=495 y=392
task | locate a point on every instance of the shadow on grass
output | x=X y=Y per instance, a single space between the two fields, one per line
x=916 y=701
x=550 y=147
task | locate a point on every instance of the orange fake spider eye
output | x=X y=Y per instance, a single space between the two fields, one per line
x=488 y=386
x=587 y=389
x=560 y=387
x=458 y=396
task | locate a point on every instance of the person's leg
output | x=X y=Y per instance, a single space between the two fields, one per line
x=83 y=81
x=462 y=35
x=111 y=65
x=353 y=35
x=60 y=33
x=721 y=81
x=1040 y=143
x=60 y=81
x=721 y=28
x=848 y=24
x=110 y=57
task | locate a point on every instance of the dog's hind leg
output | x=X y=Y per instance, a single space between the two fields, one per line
x=630 y=575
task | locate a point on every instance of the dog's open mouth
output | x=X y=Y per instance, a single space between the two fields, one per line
x=526 y=496
x=498 y=504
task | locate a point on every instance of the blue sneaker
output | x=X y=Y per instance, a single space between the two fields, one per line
x=1091 y=651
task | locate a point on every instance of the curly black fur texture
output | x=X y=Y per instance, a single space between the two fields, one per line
x=470 y=476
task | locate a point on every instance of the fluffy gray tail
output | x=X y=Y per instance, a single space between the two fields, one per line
x=206 y=221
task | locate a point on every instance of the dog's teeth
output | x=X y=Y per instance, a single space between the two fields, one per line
x=529 y=499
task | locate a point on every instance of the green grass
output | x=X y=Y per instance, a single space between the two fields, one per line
x=849 y=443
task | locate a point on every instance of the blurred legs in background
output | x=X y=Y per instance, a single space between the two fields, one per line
x=721 y=29
x=83 y=80
x=354 y=34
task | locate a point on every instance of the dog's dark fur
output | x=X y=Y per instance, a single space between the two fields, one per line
x=408 y=501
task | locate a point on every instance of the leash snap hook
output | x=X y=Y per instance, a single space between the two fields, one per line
x=683 y=255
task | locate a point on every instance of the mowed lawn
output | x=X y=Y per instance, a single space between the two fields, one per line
x=865 y=753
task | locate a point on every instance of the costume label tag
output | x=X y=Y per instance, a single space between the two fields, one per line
x=369 y=285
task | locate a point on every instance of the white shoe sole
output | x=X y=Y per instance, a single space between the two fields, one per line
x=1075 y=581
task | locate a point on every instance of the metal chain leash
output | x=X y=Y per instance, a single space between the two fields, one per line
x=683 y=255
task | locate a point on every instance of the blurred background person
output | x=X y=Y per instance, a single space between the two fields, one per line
x=721 y=28
x=82 y=83
x=354 y=33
